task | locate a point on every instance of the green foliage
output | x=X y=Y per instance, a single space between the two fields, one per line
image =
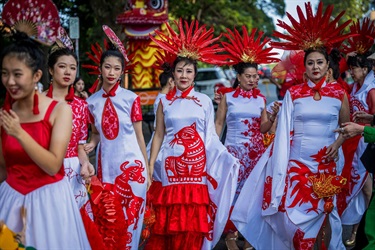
x=354 y=9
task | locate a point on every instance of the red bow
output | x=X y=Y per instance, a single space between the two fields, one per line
x=247 y=94
x=316 y=88
x=112 y=91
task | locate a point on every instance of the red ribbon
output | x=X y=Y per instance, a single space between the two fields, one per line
x=112 y=91
x=246 y=93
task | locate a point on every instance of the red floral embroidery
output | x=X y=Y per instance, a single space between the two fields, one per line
x=80 y=128
x=300 y=243
x=136 y=114
x=330 y=90
x=110 y=121
x=267 y=193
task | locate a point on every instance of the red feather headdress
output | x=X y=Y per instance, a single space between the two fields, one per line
x=164 y=60
x=97 y=52
x=312 y=31
x=247 y=48
x=194 y=42
x=363 y=37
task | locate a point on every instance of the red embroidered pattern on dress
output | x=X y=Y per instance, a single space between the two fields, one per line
x=190 y=165
x=356 y=105
x=80 y=128
x=330 y=90
x=300 y=243
x=110 y=121
x=299 y=173
x=124 y=192
x=254 y=148
x=267 y=193
x=211 y=219
x=136 y=114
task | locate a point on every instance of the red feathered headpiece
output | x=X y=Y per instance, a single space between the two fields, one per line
x=164 y=60
x=292 y=64
x=247 y=48
x=312 y=31
x=97 y=52
x=194 y=42
x=363 y=37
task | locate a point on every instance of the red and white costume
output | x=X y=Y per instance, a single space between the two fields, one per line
x=352 y=204
x=120 y=162
x=244 y=139
x=199 y=176
x=52 y=217
x=71 y=161
x=283 y=205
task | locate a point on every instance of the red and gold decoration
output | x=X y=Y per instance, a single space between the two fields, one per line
x=248 y=48
x=312 y=31
x=193 y=41
x=141 y=19
x=39 y=19
x=363 y=37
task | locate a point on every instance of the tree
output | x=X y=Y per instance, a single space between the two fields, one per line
x=354 y=9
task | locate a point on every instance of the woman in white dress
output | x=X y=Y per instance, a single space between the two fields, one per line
x=116 y=118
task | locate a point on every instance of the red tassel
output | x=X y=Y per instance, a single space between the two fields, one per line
x=70 y=96
x=92 y=90
x=8 y=102
x=36 y=103
x=50 y=91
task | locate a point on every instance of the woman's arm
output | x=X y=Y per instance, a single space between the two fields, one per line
x=3 y=173
x=220 y=116
x=94 y=140
x=158 y=137
x=344 y=116
x=49 y=160
x=140 y=138
x=267 y=122
x=87 y=169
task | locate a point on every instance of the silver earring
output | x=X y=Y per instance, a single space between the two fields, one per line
x=51 y=80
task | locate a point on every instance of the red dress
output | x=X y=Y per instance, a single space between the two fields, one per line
x=28 y=186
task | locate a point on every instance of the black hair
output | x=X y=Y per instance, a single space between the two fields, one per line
x=334 y=63
x=77 y=80
x=321 y=50
x=360 y=60
x=240 y=68
x=113 y=52
x=164 y=77
x=27 y=50
x=187 y=61
x=56 y=54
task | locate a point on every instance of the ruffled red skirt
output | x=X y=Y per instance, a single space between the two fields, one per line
x=181 y=216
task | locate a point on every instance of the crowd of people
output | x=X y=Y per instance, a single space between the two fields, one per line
x=287 y=175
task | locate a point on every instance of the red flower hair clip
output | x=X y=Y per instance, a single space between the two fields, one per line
x=363 y=37
x=312 y=31
x=193 y=41
x=247 y=48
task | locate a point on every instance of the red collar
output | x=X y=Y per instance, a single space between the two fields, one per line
x=112 y=91
x=246 y=93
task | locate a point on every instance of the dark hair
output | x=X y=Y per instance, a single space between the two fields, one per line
x=186 y=61
x=322 y=51
x=77 y=80
x=164 y=77
x=27 y=50
x=115 y=53
x=359 y=60
x=334 y=63
x=240 y=68
x=55 y=55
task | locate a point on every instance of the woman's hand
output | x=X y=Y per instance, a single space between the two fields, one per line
x=332 y=152
x=218 y=97
x=350 y=129
x=362 y=117
x=10 y=123
x=87 y=171
x=89 y=147
x=275 y=108
x=84 y=94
